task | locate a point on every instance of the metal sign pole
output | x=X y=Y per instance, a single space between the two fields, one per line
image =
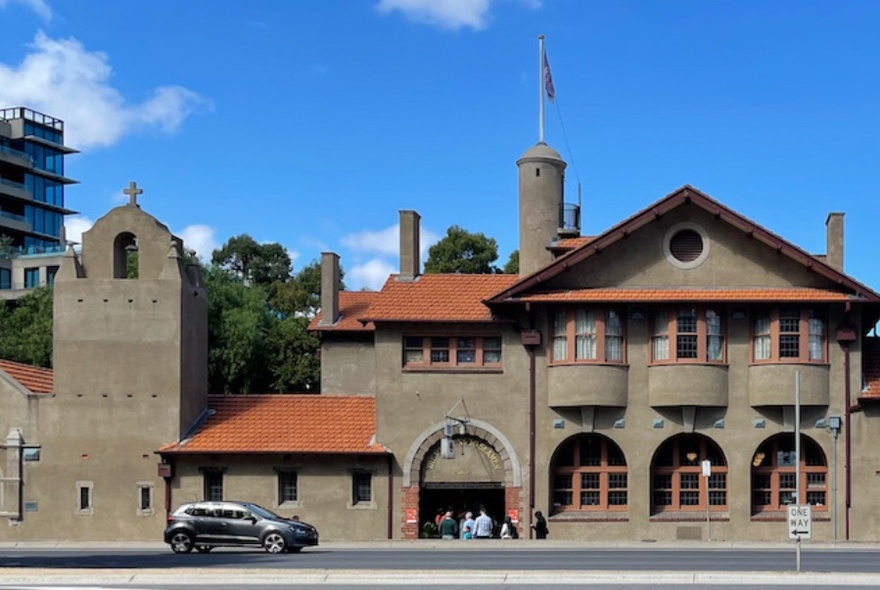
x=797 y=453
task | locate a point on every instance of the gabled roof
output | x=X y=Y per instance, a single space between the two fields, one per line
x=686 y=194
x=871 y=370
x=35 y=379
x=352 y=305
x=275 y=423
x=437 y=298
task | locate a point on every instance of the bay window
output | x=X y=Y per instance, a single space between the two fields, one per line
x=587 y=334
x=687 y=334
x=789 y=334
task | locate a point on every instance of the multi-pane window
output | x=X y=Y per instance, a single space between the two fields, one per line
x=213 y=482
x=451 y=351
x=589 y=473
x=287 y=487
x=587 y=334
x=789 y=334
x=687 y=334
x=774 y=474
x=677 y=480
x=31 y=278
x=361 y=487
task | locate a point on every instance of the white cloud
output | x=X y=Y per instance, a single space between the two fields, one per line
x=384 y=241
x=75 y=226
x=371 y=274
x=201 y=238
x=447 y=14
x=62 y=78
x=39 y=6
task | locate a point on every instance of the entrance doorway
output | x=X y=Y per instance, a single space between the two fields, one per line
x=461 y=498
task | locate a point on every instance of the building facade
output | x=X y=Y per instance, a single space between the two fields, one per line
x=32 y=206
x=645 y=383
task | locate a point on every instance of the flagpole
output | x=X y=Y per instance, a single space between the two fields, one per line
x=540 y=88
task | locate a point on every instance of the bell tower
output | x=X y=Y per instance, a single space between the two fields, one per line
x=130 y=326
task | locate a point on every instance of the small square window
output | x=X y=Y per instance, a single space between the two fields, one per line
x=31 y=454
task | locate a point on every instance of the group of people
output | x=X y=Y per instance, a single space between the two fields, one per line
x=483 y=526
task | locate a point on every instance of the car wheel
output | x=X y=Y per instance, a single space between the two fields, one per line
x=204 y=548
x=274 y=542
x=181 y=542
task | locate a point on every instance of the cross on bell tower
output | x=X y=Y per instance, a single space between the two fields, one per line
x=133 y=191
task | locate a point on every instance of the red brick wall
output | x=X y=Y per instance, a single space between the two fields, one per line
x=410 y=530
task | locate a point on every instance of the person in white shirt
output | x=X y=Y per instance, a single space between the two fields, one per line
x=483 y=526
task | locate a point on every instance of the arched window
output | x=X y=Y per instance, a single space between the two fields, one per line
x=125 y=256
x=774 y=477
x=677 y=480
x=589 y=473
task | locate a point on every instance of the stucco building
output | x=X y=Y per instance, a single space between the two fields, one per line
x=636 y=384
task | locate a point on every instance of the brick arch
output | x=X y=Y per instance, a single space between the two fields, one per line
x=430 y=436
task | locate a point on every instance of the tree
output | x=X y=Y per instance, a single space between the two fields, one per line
x=461 y=251
x=302 y=294
x=258 y=264
x=26 y=329
x=292 y=355
x=512 y=266
x=238 y=322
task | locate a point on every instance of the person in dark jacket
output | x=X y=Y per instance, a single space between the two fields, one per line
x=540 y=526
x=448 y=527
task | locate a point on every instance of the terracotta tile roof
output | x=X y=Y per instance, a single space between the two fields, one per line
x=352 y=305
x=438 y=298
x=661 y=295
x=36 y=379
x=871 y=370
x=296 y=423
x=684 y=195
x=572 y=243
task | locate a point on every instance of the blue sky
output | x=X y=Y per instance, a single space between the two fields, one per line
x=313 y=123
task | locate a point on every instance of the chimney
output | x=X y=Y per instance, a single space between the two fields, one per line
x=834 y=241
x=329 y=288
x=410 y=265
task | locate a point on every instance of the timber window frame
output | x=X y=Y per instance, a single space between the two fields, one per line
x=790 y=334
x=677 y=480
x=688 y=334
x=452 y=351
x=774 y=482
x=589 y=473
x=587 y=334
x=288 y=487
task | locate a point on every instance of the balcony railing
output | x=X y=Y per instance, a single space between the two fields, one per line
x=19 y=185
x=32 y=115
x=18 y=153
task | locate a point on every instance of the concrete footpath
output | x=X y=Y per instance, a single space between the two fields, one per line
x=231 y=577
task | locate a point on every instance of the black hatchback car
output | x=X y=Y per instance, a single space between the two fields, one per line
x=205 y=525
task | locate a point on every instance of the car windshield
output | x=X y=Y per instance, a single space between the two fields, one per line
x=262 y=512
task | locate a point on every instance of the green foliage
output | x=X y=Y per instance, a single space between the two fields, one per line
x=257 y=264
x=238 y=321
x=293 y=356
x=461 y=251
x=302 y=294
x=26 y=329
x=512 y=266
x=6 y=247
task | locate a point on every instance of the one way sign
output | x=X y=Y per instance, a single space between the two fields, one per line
x=800 y=521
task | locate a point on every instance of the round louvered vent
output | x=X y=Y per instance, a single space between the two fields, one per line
x=686 y=245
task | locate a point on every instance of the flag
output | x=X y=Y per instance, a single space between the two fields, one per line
x=548 y=79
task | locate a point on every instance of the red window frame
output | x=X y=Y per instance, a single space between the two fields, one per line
x=596 y=472
x=680 y=335
x=780 y=321
x=600 y=333
x=677 y=480
x=445 y=351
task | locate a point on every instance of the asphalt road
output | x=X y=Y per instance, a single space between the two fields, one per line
x=465 y=559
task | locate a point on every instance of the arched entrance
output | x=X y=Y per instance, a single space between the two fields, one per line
x=483 y=470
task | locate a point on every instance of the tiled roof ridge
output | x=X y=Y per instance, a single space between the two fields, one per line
x=33 y=378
